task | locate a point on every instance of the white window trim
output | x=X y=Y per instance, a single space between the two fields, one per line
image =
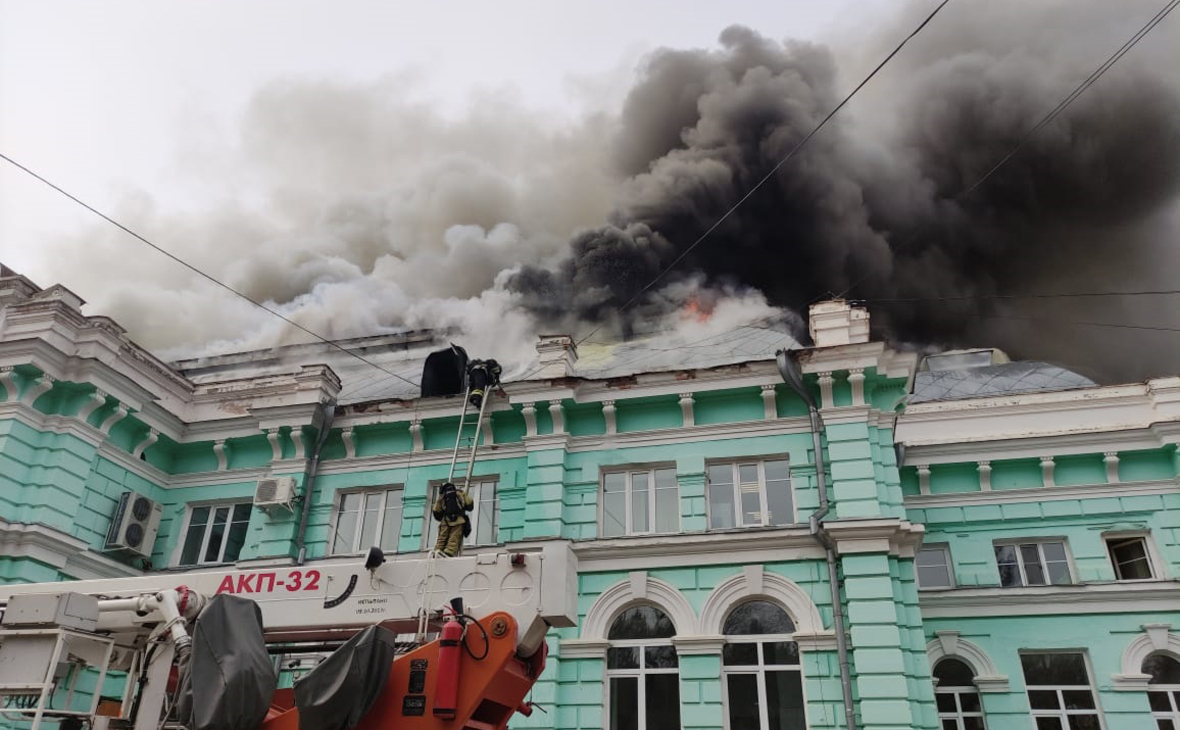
x=950 y=567
x=627 y=471
x=760 y=462
x=759 y=671
x=338 y=500
x=1039 y=542
x=430 y=531
x=1154 y=559
x=1062 y=713
x=640 y=673
x=178 y=551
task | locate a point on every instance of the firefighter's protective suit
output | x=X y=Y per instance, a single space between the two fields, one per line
x=450 y=509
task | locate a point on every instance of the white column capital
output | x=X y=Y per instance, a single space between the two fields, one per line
x=856 y=378
x=557 y=413
x=825 y=389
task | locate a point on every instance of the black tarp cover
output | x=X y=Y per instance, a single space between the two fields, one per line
x=230 y=680
x=444 y=372
x=341 y=689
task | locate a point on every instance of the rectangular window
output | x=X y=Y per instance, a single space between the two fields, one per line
x=365 y=519
x=1033 y=564
x=640 y=502
x=1129 y=557
x=484 y=516
x=750 y=494
x=933 y=566
x=215 y=533
x=1060 y=693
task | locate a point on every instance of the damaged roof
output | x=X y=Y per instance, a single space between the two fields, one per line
x=991 y=380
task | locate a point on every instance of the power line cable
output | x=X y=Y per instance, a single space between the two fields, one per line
x=1084 y=324
x=1063 y=295
x=776 y=168
x=1053 y=114
x=195 y=270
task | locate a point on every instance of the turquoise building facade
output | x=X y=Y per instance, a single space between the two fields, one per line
x=1002 y=550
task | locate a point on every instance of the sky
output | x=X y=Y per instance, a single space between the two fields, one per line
x=106 y=99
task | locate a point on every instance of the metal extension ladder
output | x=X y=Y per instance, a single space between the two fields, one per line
x=472 y=440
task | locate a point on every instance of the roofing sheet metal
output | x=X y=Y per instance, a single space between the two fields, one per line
x=360 y=382
x=1005 y=379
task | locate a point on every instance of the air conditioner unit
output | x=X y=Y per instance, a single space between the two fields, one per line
x=274 y=492
x=135 y=524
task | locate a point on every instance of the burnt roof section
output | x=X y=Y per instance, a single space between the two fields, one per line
x=1005 y=379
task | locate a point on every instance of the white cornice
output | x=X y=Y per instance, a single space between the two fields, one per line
x=66 y=553
x=34 y=419
x=703 y=548
x=1042 y=494
x=874 y=535
x=1032 y=446
x=139 y=467
x=1120 y=597
x=681 y=435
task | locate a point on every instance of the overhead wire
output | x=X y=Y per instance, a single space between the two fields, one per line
x=1049 y=320
x=1061 y=295
x=201 y=273
x=765 y=178
x=1072 y=96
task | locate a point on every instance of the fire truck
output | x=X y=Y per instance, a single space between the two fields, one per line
x=426 y=642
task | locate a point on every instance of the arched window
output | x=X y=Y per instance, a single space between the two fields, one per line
x=957 y=697
x=643 y=671
x=1163 y=691
x=761 y=670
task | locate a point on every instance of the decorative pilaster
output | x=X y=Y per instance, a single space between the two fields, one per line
x=825 y=389
x=119 y=414
x=8 y=380
x=152 y=437
x=1111 y=459
x=985 y=475
x=856 y=378
x=39 y=388
x=416 y=435
x=350 y=443
x=686 y=415
x=529 y=411
x=219 y=452
x=97 y=400
x=276 y=446
x=608 y=415
x=1047 y=471
x=558 y=415
x=923 y=478
x=769 y=406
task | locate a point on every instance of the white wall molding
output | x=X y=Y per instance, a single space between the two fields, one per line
x=1155 y=639
x=739 y=588
x=1087 y=598
x=1042 y=494
x=611 y=602
x=951 y=645
x=50 y=546
x=702 y=548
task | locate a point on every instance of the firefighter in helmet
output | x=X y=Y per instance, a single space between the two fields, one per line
x=450 y=509
x=481 y=375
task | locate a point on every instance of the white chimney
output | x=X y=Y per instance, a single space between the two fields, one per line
x=836 y=322
x=557 y=355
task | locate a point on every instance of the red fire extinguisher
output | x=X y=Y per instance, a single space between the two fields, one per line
x=446 y=687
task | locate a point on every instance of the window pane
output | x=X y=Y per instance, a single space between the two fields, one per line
x=973 y=723
x=945 y=702
x=1033 y=571
x=1163 y=669
x=639 y=497
x=1048 y=723
x=1043 y=699
x=345 y=532
x=659 y=657
x=391 y=525
x=751 y=506
x=1078 y=699
x=739 y=655
x=350 y=502
x=777 y=470
x=1059 y=669
x=721 y=474
x=1158 y=701
x=933 y=576
x=667 y=501
x=1006 y=561
x=622 y=657
x=216 y=533
x=614 y=505
x=778 y=501
x=953 y=673
x=1054 y=551
x=1059 y=574
x=1163 y=723
x=1084 y=722
x=784 y=700
x=757 y=617
x=624 y=703
x=742 y=701
x=721 y=506
x=748 y=474
x=237 y=533
x=369 y=520
x=641 y=622
x=780 y=652
x=195 y=535
x=950 y=724
x=1130 y=559
x=969 y=702
x=663 y=701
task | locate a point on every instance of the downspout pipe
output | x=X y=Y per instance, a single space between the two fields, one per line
x=327 y=414
x=792 y=375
